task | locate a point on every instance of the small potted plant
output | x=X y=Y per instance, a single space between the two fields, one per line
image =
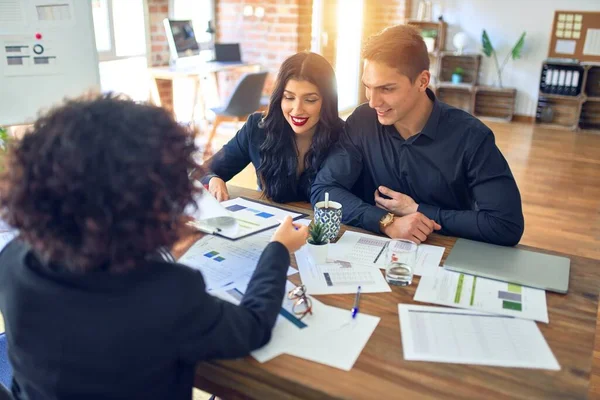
x=457 y=75
x=317 y=242
x=429 y=36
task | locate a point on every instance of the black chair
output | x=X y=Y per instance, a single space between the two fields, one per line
x=243 y=101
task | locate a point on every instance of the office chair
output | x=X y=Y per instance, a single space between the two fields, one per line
x=5 y=369
x=243 y=101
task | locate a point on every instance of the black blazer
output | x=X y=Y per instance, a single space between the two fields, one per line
x=139 y=334
x=244 y=148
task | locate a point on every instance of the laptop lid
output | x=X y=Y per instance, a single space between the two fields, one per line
x=510 y=264
x=227 y=52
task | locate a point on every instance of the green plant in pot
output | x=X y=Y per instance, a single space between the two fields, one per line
x=489 y=51
x=457 y=75
x=317 y=243
x=429 y=36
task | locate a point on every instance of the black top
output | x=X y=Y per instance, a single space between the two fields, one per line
x=135 y=335
x=452 y=169
x=243 y=149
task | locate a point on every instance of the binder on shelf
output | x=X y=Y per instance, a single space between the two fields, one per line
x=561 y=81
x=575 y=83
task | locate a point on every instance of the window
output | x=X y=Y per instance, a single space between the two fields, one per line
x=201 y=12
x=120 y=30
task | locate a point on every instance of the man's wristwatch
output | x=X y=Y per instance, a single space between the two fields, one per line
x=386 y=221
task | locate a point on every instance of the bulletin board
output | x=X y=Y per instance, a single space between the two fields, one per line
x=576 y=34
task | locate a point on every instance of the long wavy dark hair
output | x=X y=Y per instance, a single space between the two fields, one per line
x=278 y=153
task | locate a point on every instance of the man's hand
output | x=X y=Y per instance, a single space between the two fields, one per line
x=218 y=188
x=415 y=227
x=398 y=203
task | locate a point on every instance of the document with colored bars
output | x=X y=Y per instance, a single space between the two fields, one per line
x=467 y=291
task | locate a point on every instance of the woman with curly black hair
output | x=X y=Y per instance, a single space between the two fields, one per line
x=96 y=189
x=288 y=145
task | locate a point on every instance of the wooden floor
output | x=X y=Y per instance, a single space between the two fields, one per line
x=558 y=173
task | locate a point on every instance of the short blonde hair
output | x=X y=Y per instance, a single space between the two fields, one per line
x=401 y=47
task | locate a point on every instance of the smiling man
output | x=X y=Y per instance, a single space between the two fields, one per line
x=408 y=164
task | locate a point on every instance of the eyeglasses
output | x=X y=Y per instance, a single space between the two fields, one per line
x=302 y=305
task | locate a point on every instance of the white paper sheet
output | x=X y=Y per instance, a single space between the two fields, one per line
x=329 y=336
x=365 y=249
x=591 y=46
x=467 y=291
x=468 y=337
x=339 y=277
x=565 y=46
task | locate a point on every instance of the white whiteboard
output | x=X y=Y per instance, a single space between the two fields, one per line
x=47 y=52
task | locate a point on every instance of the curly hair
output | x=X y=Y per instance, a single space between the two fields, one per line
x=279 y=157
x=99 y=183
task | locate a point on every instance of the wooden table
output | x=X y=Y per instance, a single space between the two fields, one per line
x=381 y=371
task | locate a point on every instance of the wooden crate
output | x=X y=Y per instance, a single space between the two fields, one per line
x=470 y=63
x=590 y=115
x=490 y=101
x=566 y=110
x=592 y=85
x=459 y=95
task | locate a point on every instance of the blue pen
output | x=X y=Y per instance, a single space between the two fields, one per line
x=356 y=299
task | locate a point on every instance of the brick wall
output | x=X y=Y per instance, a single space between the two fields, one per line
x=284 y=29
x=159 y=48
x=379 y=15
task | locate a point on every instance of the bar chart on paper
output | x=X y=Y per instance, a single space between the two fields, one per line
x=468 y=291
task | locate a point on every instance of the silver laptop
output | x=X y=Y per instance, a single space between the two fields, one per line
x=510 y=264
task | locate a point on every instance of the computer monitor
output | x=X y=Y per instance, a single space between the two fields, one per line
x=181 y=38
x=227 y=52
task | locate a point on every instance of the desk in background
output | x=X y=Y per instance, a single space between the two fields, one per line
x=203 y=77
x=381 y=371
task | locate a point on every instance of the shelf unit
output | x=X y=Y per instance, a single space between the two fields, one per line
x=439 y=43
x=459 y=95
x=481 y=101
x=578 y=112
x=470 y=63
x=494 y=102
x=440 y=27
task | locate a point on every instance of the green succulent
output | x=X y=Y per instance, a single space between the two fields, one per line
x=459 y=71
x=317 y=233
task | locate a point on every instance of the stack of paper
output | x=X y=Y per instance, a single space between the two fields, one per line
x=369 y=250
x=329 y=336
x=470 y=337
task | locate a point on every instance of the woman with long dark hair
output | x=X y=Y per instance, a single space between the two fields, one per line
x=287 y=145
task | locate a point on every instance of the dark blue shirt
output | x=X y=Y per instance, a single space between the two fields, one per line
x=452 y=169
x=244 y=148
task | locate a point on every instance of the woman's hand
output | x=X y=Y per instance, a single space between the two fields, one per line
x=218 y=188
x=292 y=236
